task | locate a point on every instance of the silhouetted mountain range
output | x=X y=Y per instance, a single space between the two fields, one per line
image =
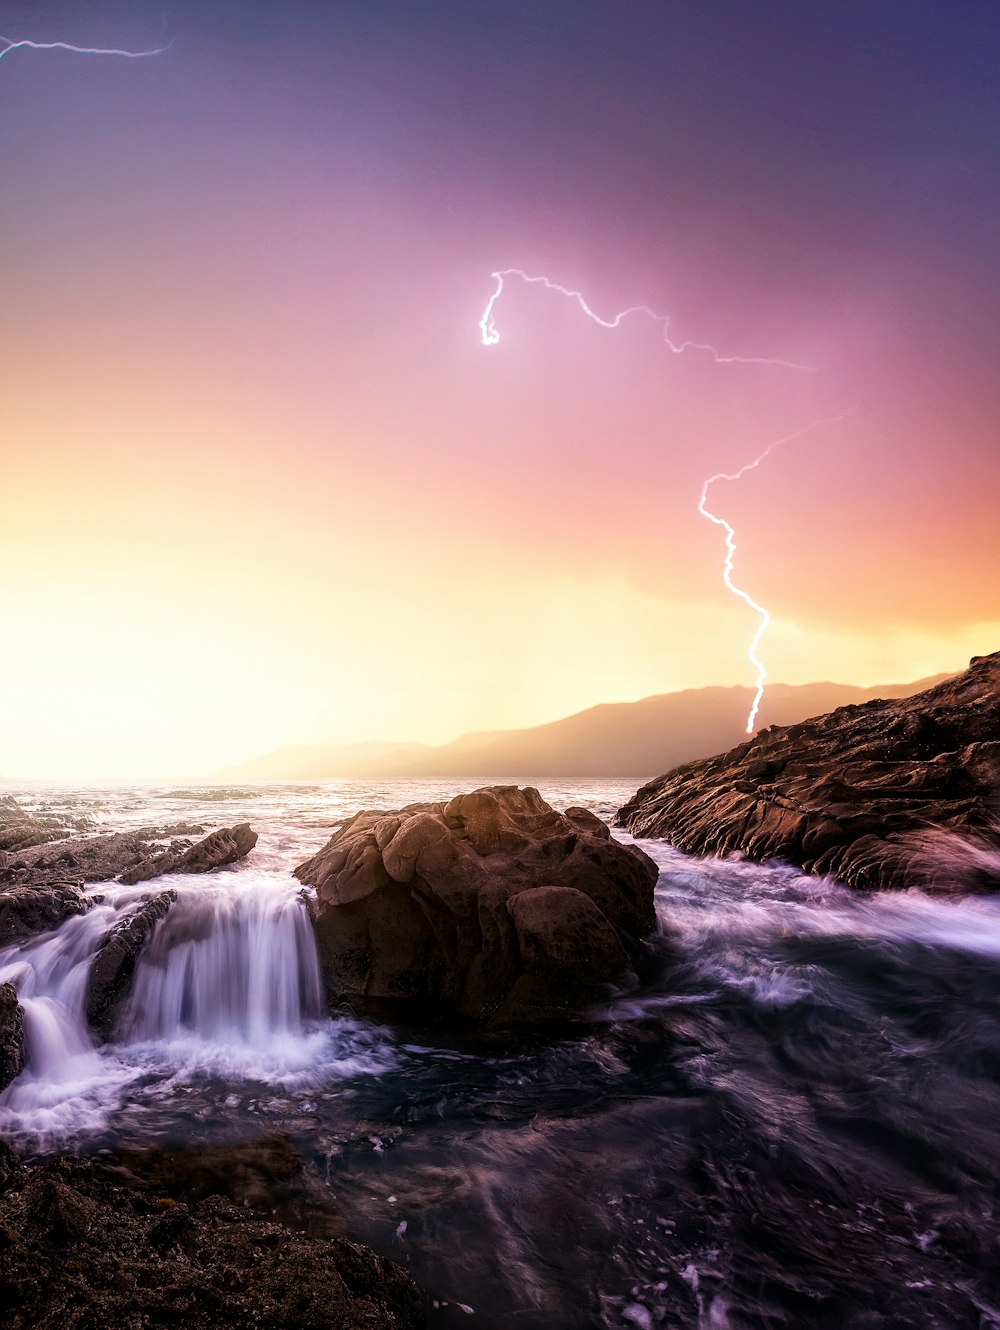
x=615 y=739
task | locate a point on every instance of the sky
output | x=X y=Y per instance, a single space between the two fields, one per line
x=262 y=483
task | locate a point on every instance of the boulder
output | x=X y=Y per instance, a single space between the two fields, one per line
x=11 y=1035
x=492 y=908
x=884 y=794
x=113 y=966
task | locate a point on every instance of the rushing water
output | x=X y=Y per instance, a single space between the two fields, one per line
x=796 y=1125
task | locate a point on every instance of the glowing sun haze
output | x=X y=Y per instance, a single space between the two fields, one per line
x=261 y=481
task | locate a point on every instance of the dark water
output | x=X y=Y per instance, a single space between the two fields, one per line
x=797 y=1125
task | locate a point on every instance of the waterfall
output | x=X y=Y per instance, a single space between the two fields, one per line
x=228 y=985
x=227 y=965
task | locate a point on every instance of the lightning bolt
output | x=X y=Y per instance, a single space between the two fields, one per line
x=727 y=570
x=488 y=328
x=7 y=45
x=491 y=336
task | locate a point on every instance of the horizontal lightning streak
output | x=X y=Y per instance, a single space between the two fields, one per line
x=491 y=336
x=7 y=45
x=727 y=571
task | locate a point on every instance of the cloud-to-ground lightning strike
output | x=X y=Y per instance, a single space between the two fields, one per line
x=727 y=571
x=491 y=337
x=8 y=44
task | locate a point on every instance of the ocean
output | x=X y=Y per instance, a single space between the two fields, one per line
x=796 y=1124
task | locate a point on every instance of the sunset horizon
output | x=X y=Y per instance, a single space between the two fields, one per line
x=266 y=478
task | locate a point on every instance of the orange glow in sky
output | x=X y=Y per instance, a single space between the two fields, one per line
x=262 y=483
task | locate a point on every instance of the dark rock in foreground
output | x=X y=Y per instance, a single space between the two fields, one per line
x=98 y=1247
x=113 y=966
x=492 y=907
x=884 y=794
x=11 y=1035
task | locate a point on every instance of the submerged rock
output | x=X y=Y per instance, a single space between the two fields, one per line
x=113 y=966
x=884 y=794
x=100 y=1247
x=492 y=907
x=11 y=1035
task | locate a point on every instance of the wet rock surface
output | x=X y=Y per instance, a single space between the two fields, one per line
x=21 y=828
x=884 y=794
x=27 y=909
x=11 y=1035
x=41 y=883
x=222 y=847
x=113 y=966
x=115 y=1244
x=492 y=907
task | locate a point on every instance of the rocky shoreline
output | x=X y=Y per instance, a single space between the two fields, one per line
x=886 y=794
x=490 y=913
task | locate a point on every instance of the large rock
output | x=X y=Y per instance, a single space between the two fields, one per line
x=11 y=1035
x=113 y=966
x=884 y=794
x=95 y=1245
x=492 y=907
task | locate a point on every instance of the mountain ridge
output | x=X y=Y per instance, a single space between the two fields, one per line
x=607 y=739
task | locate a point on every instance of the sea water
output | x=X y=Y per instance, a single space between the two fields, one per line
x=797 y=1123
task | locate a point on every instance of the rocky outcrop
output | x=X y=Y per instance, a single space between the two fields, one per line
x=43 y=885
x=27 y=909
x=493 y=908
x=884 y=794
x=222 y=847
x=11 y=1035
x=131 y=856
x=21 y=828
x=113 y=966
x=96 y=1246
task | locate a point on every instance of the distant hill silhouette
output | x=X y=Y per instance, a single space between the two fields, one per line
x=615 y=739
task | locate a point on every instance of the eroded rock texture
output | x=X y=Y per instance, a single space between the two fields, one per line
x=98 y=1246
x=111 y=971
x=11 y=1035
x=884 y=794
x=222 y=847
x=492 y=907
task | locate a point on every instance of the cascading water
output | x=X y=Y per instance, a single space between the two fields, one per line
x=228 y=986
x=228 y=965
x=794 y=1126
